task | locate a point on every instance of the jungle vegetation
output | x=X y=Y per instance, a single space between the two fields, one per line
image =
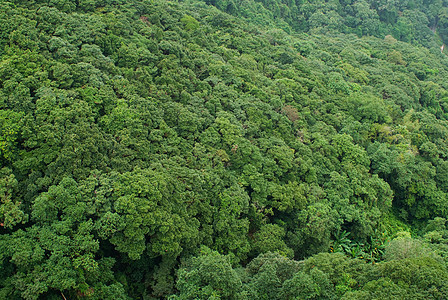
x=222 y=149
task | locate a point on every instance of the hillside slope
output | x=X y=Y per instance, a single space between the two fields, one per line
x=154 y=148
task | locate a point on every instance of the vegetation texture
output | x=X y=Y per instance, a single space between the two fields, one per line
x=223 y=149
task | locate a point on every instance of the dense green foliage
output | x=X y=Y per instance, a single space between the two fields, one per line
x=410 y=21
x=253 y=150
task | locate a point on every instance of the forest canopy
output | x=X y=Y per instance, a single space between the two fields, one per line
x=223 y=149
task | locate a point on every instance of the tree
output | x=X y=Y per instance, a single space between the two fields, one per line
x=267 y=274
x=270 y=239
x=10 y=123
x=11 y=209
x=208 y=276
x=57 y=253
